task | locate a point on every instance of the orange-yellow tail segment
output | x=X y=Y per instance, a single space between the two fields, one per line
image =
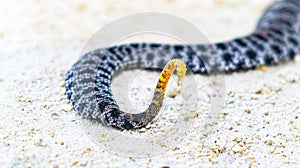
x=159 y=93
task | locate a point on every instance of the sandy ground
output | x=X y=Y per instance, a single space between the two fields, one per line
x=258 y=124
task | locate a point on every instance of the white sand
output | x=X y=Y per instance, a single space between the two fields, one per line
x=40 y=40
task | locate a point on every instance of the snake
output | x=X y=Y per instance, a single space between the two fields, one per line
x=275 y=39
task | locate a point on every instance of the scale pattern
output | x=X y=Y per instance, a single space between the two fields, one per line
x=88 y=83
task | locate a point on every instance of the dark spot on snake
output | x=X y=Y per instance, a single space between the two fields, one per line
x=104 y=57
x=69 y=85
x=100 y=82
x=112 y=50
x=190 y=65
x=127 y=50
x=240 y=64
x=234 y=49
x=227 y=57
x=240 y=42
x=201 y=48
x=251 y=54
x=278 y=32
x=155 y=45
x=119 y=57
x=260 y=37
x=97 y=89
x=268 y=59
x=104 y=82
x=113 y=66
x=293 y=41
x=276 y=49
x=101 y=68
x=103 y=75
x=150 y=56
x=292 y=54
x=105 y=91
x=222 y=46
x=69 y=75
x=108 y=98
x=191 y=52
x=178 y=48
x=213 y=52
x=257 y=45
x=284 y=21
x=280 y=41
x=166 y=47
x=291 y=31
x=143 y=45
x=260 y=47
x=134 y=45
x=190 y=57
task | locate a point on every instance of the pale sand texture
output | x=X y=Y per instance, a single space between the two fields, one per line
x=259 y=124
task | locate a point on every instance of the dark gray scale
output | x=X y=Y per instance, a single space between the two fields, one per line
x=195 y=59
x=229 y=55
x=88 y=83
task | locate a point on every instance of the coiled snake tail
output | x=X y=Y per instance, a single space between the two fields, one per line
x=132 y=121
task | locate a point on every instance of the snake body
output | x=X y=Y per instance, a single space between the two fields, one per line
x=88 y=83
